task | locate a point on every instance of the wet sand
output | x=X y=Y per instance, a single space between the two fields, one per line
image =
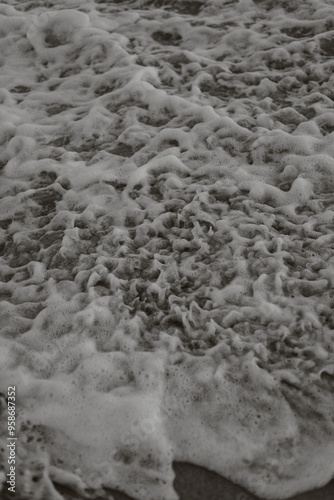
x=196 y=483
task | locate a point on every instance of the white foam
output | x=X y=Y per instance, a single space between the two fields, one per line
x=165 y=242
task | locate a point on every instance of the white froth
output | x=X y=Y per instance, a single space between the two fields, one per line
x=166 y=260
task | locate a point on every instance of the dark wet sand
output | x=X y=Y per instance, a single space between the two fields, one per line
x=196 y=483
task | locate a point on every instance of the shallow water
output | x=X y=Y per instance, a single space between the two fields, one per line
x=166 y=243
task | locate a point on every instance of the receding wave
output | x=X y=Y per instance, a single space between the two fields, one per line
x=166 y=243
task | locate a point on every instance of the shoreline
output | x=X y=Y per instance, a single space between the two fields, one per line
x=196 y=483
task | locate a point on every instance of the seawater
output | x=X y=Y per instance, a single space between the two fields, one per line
x=166 y=243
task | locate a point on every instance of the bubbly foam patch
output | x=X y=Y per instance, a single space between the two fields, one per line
x=166 y=243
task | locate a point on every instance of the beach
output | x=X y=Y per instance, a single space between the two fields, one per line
x=166 y=249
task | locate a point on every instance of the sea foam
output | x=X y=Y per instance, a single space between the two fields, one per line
x=166 y=259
